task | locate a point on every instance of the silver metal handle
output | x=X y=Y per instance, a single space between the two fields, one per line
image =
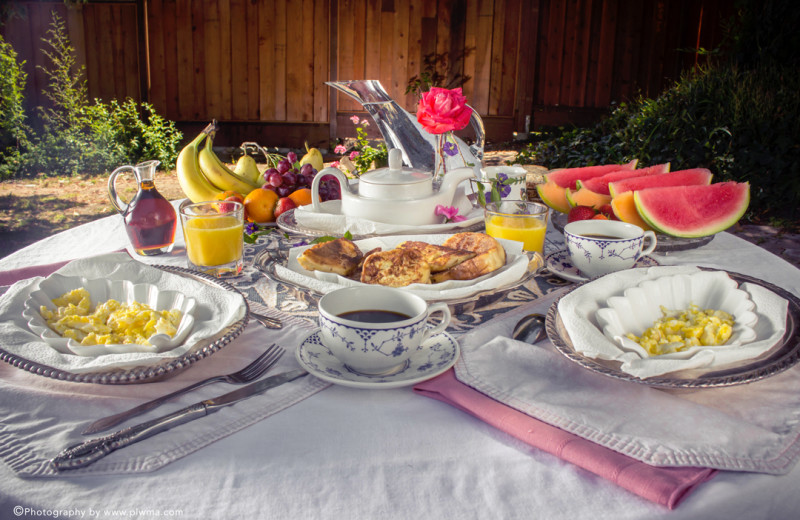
x=91 y=451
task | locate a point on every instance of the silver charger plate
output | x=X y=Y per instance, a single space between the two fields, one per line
x=782 y=356
x=665 y=243
x=150 y=373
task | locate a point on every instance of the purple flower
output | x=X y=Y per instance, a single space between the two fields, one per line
x=450 y=148
x=449 y=213
x=250 y=228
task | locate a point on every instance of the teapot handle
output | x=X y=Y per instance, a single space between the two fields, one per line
x=315 y=201
x=116 y=201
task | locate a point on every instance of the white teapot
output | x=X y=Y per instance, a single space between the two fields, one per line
x=394 y=195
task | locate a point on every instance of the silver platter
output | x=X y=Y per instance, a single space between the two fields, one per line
x=785 y=354
x=266 y=260
x=288 y=223
x=665 y=243
x=150 y=373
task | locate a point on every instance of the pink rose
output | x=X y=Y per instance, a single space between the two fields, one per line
x=354 y=154
x=339 y=149
x=354 y=119
x=441 y=110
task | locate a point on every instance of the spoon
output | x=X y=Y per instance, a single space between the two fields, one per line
x=530 y=329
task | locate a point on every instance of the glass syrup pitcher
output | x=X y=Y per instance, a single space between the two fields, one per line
x=150 y=219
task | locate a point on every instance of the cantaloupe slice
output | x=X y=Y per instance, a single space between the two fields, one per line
x=624 y=208
x=554 y=196
x=585 y=197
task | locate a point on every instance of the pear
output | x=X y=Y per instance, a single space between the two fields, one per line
x=313 y=157
x=246 y=167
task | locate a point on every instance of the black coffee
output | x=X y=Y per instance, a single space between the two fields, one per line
x=374 y=316
x=602 y=237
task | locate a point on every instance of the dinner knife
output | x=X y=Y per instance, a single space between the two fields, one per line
x=91 y=451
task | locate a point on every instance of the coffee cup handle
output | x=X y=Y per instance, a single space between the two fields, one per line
x=442 y=325
x=652 y=247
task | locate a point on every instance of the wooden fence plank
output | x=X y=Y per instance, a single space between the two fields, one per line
x=223 y=38
x=266 y=61
x=240 y=72
x=508 y=79
x=400 y=51
x=185 y=59
x=321 y=51
x=171 y=87
x=414 y=49
x=483 y=57
x=199 y=107
x=280 y=67
x=496 y=75
x=554 y=58
x=157 y=72
x=605 y=62
x=252 y=65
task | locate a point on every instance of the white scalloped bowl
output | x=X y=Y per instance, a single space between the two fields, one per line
x=640 y=307
x=101 y=290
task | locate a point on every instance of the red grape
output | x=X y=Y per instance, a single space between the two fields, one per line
x=292 y=157
x=275 y=179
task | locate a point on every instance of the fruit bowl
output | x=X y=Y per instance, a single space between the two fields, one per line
x=641 y=306
x=102 y=290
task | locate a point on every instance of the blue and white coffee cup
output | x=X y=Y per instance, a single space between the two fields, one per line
x=600 y=247
x=377 y=348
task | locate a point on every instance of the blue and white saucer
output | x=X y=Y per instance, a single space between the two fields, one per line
x=560 y=265
x=433 y=357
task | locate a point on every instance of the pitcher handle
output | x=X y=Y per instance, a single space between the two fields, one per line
x=480 y=135
x=116 y=201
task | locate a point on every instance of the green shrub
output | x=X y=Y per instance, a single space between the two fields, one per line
x=743 y=125
x=80 y=137
x=14 y=132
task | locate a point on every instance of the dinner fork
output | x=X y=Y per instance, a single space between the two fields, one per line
x=249 y=373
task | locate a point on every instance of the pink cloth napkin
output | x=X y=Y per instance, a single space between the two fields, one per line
x=15 y=275
x=665 y=486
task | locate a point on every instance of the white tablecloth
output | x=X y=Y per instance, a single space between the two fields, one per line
x=348 y=453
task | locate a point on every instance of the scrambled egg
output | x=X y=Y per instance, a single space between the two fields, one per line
x=677 y=331
x=111 y=322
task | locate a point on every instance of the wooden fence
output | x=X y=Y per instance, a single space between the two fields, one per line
x=259 y=66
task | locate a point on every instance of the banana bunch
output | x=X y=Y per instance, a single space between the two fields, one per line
x=203 y=176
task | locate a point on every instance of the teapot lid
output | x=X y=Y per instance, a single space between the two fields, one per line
x=395 y=173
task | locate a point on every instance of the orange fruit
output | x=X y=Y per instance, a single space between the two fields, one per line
x=226 y=195
x=599 y=216
x=259 y=205
x=301 y=197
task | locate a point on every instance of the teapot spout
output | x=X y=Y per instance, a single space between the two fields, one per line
x=455 y=177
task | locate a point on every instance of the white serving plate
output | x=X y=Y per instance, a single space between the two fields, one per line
x=100 y=290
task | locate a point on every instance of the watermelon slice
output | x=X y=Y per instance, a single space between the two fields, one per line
x=568 y=177
x=693 y=211
x=600 y=184
x=676 y=178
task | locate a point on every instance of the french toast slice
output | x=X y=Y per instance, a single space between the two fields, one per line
x=395 y=268
x=490 y=256
x=439 y=258
x=340 y=256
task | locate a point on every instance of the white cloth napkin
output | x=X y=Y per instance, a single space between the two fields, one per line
x=578 y=309
x=215 y=310
x=515 y=268
x=753 y=427
x=332 y=221
x=40 y=416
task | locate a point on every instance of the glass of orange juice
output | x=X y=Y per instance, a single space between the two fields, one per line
x=213 y=234
x=518 y=220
